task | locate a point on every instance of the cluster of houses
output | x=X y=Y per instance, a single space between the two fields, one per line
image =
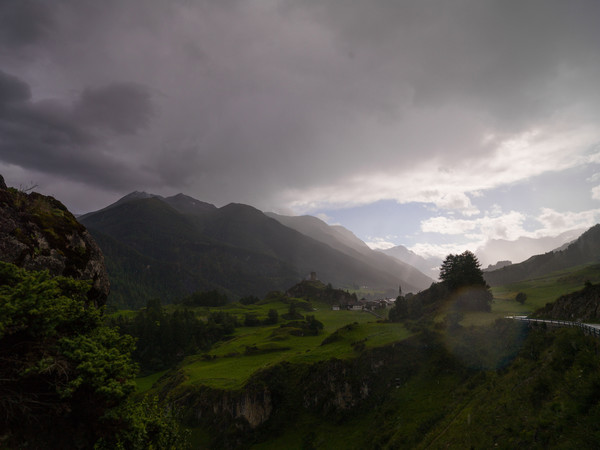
x=364 y=304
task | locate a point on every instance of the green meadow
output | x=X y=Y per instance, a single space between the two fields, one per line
x=230 y=363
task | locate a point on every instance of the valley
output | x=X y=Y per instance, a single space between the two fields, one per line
x=301 y=363
x=303 y=225
x=359 y=368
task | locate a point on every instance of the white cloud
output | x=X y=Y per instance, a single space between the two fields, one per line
x=327 y=219
x=379 y=243
x=510 y=226
x=456 y=201
x=554 y=222
x=505 y=226
x=517 y=158
x=447 y=225
x=441 y=250
x=594 y=178
x=495 y=210
x=596 y=192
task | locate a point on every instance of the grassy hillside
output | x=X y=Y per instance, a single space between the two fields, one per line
x=543 y=289
x=547 y=398
x=229 y=364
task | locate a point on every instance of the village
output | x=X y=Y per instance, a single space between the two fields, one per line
x=341 y=300
x=365 y=304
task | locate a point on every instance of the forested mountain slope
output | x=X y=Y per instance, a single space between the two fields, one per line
x=345 y=241
x=236 y=248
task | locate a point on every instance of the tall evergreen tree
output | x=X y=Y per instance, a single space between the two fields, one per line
x=463 y=273
x=461 y=270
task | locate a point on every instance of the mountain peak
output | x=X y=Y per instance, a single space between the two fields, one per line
x=137 y=195
x=131 y=197
x=189 y=205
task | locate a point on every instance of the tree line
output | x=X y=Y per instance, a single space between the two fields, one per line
x=163 y=338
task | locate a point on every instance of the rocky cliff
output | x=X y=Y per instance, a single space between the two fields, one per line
x=277 y=396
x=39 y=233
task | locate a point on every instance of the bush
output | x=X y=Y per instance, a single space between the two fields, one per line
x=272 y=317
x=251 y=320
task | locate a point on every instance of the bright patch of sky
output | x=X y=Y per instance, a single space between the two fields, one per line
x=536 y=207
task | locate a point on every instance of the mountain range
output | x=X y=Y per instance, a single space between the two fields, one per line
x=169 y=247
x=520 y=249
x=496 y=253
x=584 y=250
x=430 y=265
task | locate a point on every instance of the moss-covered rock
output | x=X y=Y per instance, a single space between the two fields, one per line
x=37 y=232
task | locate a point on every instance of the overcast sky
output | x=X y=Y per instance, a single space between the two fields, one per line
x=432 y=124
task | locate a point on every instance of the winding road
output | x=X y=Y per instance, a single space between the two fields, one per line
x=588 y=328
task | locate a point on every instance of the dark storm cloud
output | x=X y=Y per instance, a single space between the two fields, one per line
x=49 y=136
x=499 y=56
x=122 y=107
x=12 y=89
x=24 y=22
x=242 y=101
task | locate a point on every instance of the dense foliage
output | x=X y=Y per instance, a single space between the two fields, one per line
x=64 y=377
x=164 y=338
x=461 y=270
x=549 y=397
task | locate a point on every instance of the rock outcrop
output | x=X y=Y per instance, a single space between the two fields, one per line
x=279 y=394
x=39 y=233
x=583 y=306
